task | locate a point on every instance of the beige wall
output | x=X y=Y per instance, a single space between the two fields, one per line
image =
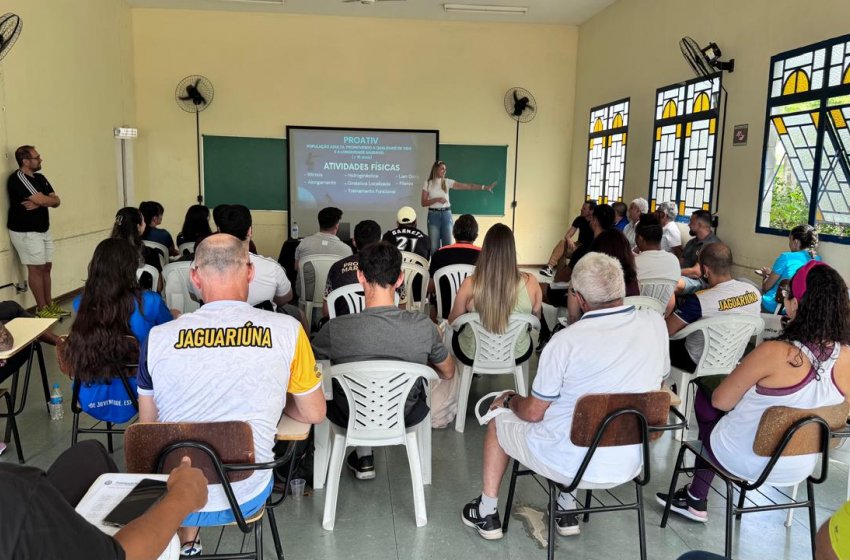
x=270 y=70
x=631 y=48
x=63 y=87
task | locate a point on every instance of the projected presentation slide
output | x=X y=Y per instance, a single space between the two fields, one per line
x=369 y=174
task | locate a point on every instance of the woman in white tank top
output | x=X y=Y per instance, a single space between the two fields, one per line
x=807 y=366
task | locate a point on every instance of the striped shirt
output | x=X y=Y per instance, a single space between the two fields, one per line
x=22 y=186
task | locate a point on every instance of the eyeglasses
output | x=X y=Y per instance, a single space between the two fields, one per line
x=33 y=157
x=786 y=293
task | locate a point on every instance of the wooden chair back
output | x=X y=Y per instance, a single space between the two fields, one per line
x=591 y=410
x=776 y=420
x=233 y=443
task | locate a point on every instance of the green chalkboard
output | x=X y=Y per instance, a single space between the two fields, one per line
x=249 y=171
x=479 y=165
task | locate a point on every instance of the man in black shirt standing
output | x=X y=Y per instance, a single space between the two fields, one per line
x=30 y=195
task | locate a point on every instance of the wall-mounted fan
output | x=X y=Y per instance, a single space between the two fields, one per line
x=521 y=107
x=193 y=95
x=10 y=29
x=705 y=61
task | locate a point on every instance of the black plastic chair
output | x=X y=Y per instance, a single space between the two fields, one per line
x=782 y=431
x=606 y=420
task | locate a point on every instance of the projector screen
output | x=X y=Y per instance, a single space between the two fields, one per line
x=366 y=173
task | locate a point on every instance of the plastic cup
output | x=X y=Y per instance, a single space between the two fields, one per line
x=296 y=488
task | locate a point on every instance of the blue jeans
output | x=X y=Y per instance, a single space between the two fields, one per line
x=439 y=229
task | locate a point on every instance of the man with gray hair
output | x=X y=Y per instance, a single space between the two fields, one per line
x=229 y=361
x=672 y=240
x=535 y=430
x=637 y=207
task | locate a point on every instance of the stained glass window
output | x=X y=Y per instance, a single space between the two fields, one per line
x=683 y=152
x=606 y=154
x=805 y=166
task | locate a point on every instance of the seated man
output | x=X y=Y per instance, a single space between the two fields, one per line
x=229 y=361
x=39 y=521
x=324 y=242
x=381 y=331
x=408 y=236
x=344 y=271
x=621 y=220
x=672 y=240
x=701 y=235
x=653 y=263
x=723 y=295
x=577 y=361
x=462 y=251
x=270 y=283
x=566 y=246
x=637 y=208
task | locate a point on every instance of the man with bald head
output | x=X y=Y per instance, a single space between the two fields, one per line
x=723 y=295
x=229 y=361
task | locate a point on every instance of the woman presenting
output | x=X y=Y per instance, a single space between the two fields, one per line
x=435 y=196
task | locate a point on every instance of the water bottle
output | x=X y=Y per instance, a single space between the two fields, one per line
x=293 y=234
x=57 y=411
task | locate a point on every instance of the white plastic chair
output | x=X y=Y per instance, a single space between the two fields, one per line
x=411 y=271
x=725 y=337
x=645 y=302
x=161 y=250
x=454 y=275
x=320 y=264
x=187 y=247
x=376 y=392
x=494 y=355
x=410 y=257
x=351 y=294
x=175 y=276
x=772 y=329
x=154 y=275
x=659 y=288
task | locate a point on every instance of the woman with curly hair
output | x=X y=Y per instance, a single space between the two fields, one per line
x=805 y=367
x=111 y=310
x=803 y=245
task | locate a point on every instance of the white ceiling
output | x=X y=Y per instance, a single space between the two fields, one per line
x=569 y=12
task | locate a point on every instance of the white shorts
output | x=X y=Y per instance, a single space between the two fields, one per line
x=511 y=432
x=34 y=248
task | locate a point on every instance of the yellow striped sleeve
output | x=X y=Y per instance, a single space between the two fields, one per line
x=303 y=373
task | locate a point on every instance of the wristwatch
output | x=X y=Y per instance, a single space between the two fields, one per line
x=507 y=402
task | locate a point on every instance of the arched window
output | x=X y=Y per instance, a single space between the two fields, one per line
x=805 y=165
x=683 y=153
x=606 y=153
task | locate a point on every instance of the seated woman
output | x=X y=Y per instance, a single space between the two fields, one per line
x=805 y=367
x=494 y=291
x=196 y=225
x=110 y=310
x=803 y=242
x=152 y=213
x=130 y=227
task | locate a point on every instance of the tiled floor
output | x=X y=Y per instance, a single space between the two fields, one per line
x=375 y=518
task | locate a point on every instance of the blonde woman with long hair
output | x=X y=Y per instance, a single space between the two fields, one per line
x=494 y=291
x=435 y=197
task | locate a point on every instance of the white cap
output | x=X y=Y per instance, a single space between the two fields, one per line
x=406 y=215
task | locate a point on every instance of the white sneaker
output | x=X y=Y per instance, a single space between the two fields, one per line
x=547 y=271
